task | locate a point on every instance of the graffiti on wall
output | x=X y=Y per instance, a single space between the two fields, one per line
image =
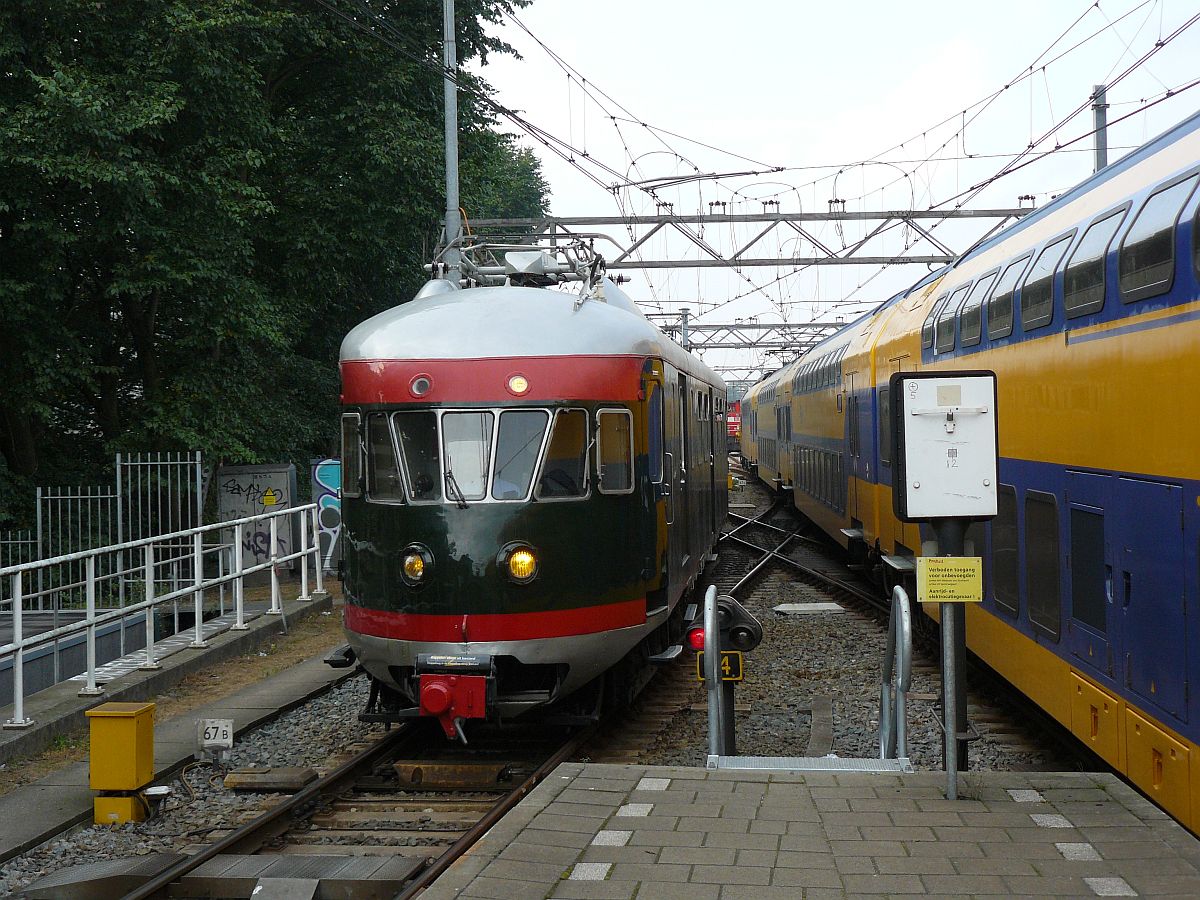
x=251 y=490
x=326 y=493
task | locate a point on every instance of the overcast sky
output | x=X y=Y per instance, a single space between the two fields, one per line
x=818 y=88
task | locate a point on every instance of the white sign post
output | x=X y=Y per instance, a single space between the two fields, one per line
x=946 y=450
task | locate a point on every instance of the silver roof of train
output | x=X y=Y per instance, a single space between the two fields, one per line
x=491 y=322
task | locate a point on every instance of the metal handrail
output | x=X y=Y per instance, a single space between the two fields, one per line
x=897 y=678
x=309 y=530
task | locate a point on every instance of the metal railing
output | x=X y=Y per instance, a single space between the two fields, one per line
x=897 y=678
x=140 y=572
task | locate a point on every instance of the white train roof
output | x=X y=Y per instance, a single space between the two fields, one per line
x=492 y=322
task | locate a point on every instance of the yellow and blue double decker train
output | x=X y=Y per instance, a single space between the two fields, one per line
x=1088 y=310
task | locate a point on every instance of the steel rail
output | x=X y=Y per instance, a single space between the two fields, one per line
x=497 y=812
x=858 y=592
x=746 y=521
x=274 y=821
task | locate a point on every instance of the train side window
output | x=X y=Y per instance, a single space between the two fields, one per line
x=970 y=319
x=351 y=456
x=467 y=444
x=1042 y=585
x=1037 y=295
x=417 y=435
x=1083 y=281
x=944 y=330
x=1088 y=569
x=383 y=471
x=1005 y=568
x=657 y=442
x=564 y=471
x=615 y=450
x=1146 y=263
x=885 y=427
x=1000 y=304
x=518 y=445
x=927 y=328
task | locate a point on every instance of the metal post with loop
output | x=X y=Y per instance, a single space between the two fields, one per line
x=148 y=579
x=897 y=677
x=239 y=581
x=717 y=713
x=198 y=594
x=90 y=689
x=18 y=719
x=316 y=535
x=304 y=597
x=276 y=603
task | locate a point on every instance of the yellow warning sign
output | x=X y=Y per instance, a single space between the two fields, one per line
x=270 y=497
x=949 y=579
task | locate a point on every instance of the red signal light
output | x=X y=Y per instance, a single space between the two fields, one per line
x=695 y=638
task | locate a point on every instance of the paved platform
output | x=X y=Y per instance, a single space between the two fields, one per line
x=657 y=833
x=34 y=813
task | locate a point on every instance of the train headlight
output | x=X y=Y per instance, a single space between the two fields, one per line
x=519 y=562
x=416 y=562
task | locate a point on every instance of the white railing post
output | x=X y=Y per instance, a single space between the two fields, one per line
x=91 y=689
x=148 y=578
x=303 y=598
x=198 y=594
x=239 y=581
x=320 y=563
x=18 y=719
x=276 y=604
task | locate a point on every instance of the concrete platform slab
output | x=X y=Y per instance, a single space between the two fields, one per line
x=1026 y=842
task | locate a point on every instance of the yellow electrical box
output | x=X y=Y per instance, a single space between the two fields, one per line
x=122 y=746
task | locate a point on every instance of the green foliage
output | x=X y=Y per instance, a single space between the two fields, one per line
x=198 y=199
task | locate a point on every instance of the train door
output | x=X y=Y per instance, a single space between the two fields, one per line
x=899 y=364
x=1089 y=571
x=853 y=445
x=1148 y=583
x=680 y=486
x=716 y=443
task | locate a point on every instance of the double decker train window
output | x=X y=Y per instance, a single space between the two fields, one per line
x=1037 y=296
x=970 y=319
x=1083 y=281
x=383 y=471
x=1146 y=263
x=944 y=330
x=1000 y=304
x=564 y=471
x=351 y=456
x=467 y=443
x=417 y=435
x=518 y=444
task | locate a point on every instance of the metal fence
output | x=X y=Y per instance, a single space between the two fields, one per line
x=142 y=566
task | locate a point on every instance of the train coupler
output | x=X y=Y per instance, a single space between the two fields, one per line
x=453 y=689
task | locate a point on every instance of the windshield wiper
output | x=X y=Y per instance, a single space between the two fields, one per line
x=452 y=488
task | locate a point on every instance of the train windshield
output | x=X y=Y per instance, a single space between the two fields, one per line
x=467 y=440
x=417 y=434
x=564 y=473
x=518 y=445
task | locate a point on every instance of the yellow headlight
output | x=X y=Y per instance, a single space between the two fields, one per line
x=522 y=564
x=518 y=384
x=414 y=566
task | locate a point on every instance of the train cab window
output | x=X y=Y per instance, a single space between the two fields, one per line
x=1037 y=295
x=1005 y=566
x=927 y=328
x=417 y=434
x=1041 y=563
x=383 y=471
x=944 y=330
x=1083 y=281
x=885 y=427
x=564 y=472
x=351 y=456
x=518 y=444
x=1146 y=264
x=970 y=318
x=1000 y=304
x=655 y=426
x=615 y=451
x=467 y=443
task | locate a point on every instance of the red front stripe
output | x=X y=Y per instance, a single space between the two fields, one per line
x=613 y=378
x=494 y=626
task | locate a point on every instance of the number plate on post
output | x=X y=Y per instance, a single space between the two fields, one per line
x=730 y=665
x=214 y=736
